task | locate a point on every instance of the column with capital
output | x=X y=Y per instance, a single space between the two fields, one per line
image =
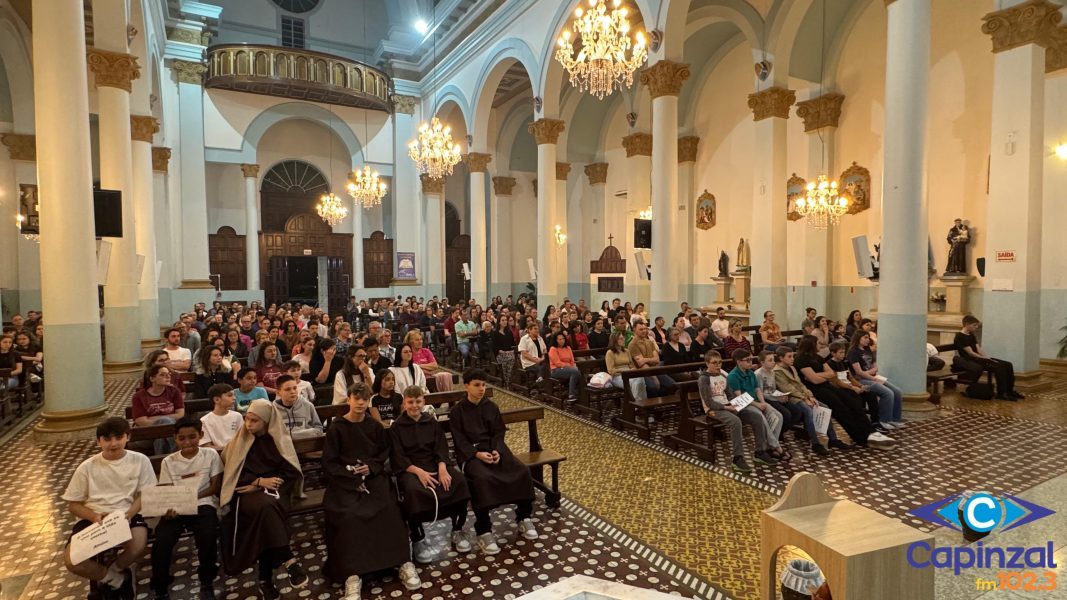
x=820 y=115
x=142 y=129
x=75 y=398
x=546 y=133
x=165 y=230
x=596 y=214
x=409 y=209
x=664 y=80
x=500 y=235
x=686 y=225
x=114 y=72
x=568 y=216
x=433 y=194
x=196 y=272
x=477 y=164
x=23 y=290
x=251 y=176
x=770 y=109
x=1012 y=327
x=638 y=148
x=9 y=236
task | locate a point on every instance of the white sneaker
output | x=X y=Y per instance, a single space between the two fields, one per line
x=460 y=542
x=487 y=543
x=410 y=577
x=526 y=527
x=881 y=438
x=352 y=587
x=897 y=424
x=424 y=552
x=888 y=425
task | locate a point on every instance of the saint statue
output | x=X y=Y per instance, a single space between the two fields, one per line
x=958 y=238
x=724 y=264
x=743 y=256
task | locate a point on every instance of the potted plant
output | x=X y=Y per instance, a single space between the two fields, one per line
x=938 y=300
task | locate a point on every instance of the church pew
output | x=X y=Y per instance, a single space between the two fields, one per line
x=690 y=421
x=633 y=408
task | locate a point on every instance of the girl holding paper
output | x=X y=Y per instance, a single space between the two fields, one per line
x=890 y=397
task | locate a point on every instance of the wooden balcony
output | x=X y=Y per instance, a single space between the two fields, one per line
x=298 y=74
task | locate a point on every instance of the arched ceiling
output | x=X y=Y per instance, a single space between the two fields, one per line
x=7 y=113
x=807 y=56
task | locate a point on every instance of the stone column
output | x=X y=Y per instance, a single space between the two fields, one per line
x=164 y=230
x=433 y=194
x=770 y=109
x=143 y=128
x=19 y=148
x=571 y=224
x=500 y=235
x=251 y=177
x=195 y=265
x=75 y=398
x=1012 y=296
x=115 y=71
x=407 y=201
x=664 y=80
x=477 y=164
x=358 y=280
x=546 y=134
x=596 y=215
x=638 y=148
x=902 y=301
x=686 y=225
x=820 y=115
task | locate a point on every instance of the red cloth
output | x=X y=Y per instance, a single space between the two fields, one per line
x=147 y=405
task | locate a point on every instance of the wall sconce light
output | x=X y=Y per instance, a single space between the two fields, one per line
x=561 y=238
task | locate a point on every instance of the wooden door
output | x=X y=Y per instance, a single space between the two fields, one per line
x=338 y=285
x=277 y=280
x=377 y=261
x=226 y=256
x=457 y=253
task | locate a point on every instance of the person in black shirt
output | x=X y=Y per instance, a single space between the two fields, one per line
x=703 y=340
x=386 y=401
x=598 y=336
x=848 y=409
x=971 y=359
x=674 y=352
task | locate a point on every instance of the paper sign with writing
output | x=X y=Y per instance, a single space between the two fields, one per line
x=158 y=499
x=741 y=401
x=113 y=530
x=821 y=416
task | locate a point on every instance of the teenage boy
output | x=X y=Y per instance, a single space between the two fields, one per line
x=222 y=423
x=191 y=465
x=788 y=380
x=494 y=476
x=248 y=390
x=299 y=414
x=742 y=380
x=303 y=388
x=971 y=358
x=714 y=395
x=103 y=484
x=765 y=376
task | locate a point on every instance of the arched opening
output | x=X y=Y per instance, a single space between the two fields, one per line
x=457 y=252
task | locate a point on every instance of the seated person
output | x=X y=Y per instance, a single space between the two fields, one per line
x=616 y=360
x=325 y=363
x=158 y=404
x=646 y=355
x=787 y=379
x=674 y=351
x=406 y=372
x=720 y=326
x=102 y=484
x=375 y=360
x=659 y=331
x=197 y=463
x=846 y=381
x=260 y=472
x=431 y=486
x=791 y=415
x=890 y=397
x=848 y=408
x=466 y=332
x=303 y=387
x=494 y=476
x=703 y=341
x=808 y=324
x=771 y=333
x=179 y=358
x=160 y=357
x=971 y=359
x=221 y=424
x=385 y=403
x=715 y=396
x=356 y=369
x=268 y=367
x=598 y=337
x=562 y=366
x=533 y=351
x=579 y=340
x=212 y=371
x=299 y=414
x=735 y=339
x=742 y=380
x=424 y=358
x=247 y=390
x=360 y=503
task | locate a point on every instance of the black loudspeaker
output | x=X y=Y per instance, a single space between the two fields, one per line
x=107 y=210
x=980 y=263
x=642 y=233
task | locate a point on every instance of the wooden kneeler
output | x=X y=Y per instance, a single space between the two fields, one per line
x=862 y=554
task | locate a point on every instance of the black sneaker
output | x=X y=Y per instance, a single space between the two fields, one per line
x=740 y=465
x=1016 y=395
x=207 y=592
x=819 y=449
x=763 y=458
x=297 y=577
x=268 y=590
x=127 y=591
x=839 y=445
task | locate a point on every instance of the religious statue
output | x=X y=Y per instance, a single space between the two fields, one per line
x=958 y=238
x=876 y=262
x=724 y=264
x=743 y=256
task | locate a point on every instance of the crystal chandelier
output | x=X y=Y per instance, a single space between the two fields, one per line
x=366 y=187
x=331 y=209
x=645 y=215
x=434 y=152
x=821 y=204
x=601 y=63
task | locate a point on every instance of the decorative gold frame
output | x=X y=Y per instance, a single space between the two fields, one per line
x=706 y=199
x=855 y=182
x=794 y=188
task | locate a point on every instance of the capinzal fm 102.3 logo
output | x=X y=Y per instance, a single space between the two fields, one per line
x=977 y=515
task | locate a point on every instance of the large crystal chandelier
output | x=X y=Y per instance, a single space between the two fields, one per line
x=331 y=209
x=601 y=62
x=434 y=152
x=366 y=187
x=821 y=204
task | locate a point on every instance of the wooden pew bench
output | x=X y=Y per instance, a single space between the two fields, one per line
x=635 y=412
x=691 y=420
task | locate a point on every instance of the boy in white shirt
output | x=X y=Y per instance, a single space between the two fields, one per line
x=192 y=465
x=222 y=423
x=304 y=388
x=109 y=482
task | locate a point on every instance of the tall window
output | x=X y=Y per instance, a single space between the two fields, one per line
x=292 y=32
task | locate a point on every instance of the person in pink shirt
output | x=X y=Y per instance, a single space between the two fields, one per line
x=423 y=357
x=562 y=365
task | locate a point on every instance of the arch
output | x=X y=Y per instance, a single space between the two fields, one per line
x=511 y=128
x=16 y=56
x=784 y=20
x=297 y=110
x=679 y=23
x=226 y=230
x=452 y=93
x=836 y=46
x=550 y=78
x=501 y=58
x=294 y=176
x=690 y=96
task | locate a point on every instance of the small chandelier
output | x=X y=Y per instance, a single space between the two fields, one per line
x=645 y=215
x=33 y=237
x=601 y=63
x=331 y=209
x=821 y=204
x=366 y=187
x=434 y=152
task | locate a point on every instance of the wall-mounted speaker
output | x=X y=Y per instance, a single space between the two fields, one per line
x=862 y=254
x=980 y=263
x=103 y=260
x=643 y=272
x=642 y=233
x=107 y=210
x=533 y=271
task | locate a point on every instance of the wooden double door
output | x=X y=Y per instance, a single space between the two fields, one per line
x=305 y=235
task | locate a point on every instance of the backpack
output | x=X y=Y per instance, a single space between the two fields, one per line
x=979 y=391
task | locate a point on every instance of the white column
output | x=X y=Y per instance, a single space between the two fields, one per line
x=409 y=209
x=251 y=175
x=75 y=399
x=165 y=230
x=114 y=71
x=433 y=191
x=546 y=134
x=770 y=111
x=9 y=208
x=143 y=128
x=477 y=164
x=1012 y=295
x=563 y=212
x=499 y=238
x=664 y=80
x=595 y=214
x=638 y=197
x=902 y=301
x=195 y=265
x=357 y=247
x=686 y=232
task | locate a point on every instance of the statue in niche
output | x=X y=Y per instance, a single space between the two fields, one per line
x=724 y=264
x=958 y=238
x=743 y=256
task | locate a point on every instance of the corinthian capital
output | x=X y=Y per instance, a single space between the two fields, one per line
x=771 y=102
x=546 y=131
x=1031 y=22
x=113 y=69
x=665 y=78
